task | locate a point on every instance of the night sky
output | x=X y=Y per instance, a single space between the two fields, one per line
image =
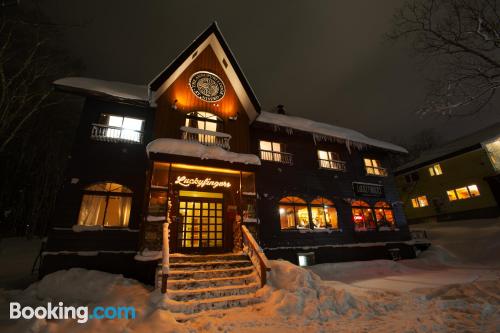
x=325 y=60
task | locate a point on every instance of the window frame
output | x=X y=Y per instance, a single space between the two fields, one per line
x=333 y=160
x=418 y=202
x=454 y=194
x=435 y=170
x=308 y=205
x=363 y=208
x=384 y=206
x=107 y=194
x=278 y=156
x=194 y=117
x=109 y=131
x=382 y=172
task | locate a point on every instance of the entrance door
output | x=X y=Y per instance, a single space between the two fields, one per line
x=201 y=228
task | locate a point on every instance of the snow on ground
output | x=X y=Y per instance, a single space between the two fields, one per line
x=442 y=291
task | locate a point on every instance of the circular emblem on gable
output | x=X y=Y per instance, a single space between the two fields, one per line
x=207 y=86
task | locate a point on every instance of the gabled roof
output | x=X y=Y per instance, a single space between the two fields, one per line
x=453 y=148
x=211 y=36
x=323 y=129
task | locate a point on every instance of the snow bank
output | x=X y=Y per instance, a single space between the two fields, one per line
x=324 y=129
x=147 y=255
x=194 y=149
x=110 y=88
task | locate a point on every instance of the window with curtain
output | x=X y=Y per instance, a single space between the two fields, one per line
x=293 y=213
x=107 y=204
x=374 y=167
x=362 y=215
x=384 y=215
x=324 y=214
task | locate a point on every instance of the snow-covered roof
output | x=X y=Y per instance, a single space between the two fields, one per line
x=195 y=149
x=452 y=148
x=323 y=129
x=119 y=90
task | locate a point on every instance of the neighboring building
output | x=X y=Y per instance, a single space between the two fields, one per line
x=194 y=149
x=458 y=180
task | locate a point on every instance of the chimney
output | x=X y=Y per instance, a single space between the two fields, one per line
x=280 y=109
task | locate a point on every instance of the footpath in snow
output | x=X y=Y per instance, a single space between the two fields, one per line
x=445 y=290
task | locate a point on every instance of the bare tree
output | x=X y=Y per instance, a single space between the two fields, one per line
x=461 y=38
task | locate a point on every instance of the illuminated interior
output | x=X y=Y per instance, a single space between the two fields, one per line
x=362 y=215
x=463 y=193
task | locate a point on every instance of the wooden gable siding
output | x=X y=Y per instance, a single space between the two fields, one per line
x=168 y=120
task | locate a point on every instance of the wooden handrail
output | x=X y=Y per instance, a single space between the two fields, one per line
x=257 y=256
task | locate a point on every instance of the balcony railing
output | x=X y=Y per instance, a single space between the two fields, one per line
x=208 y=138
x=114 y=134
x=376 y=171
x=276 y=156
x=332 y=165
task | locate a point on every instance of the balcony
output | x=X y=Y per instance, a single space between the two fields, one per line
x=276 y=156
x=206 y=137
x=115 y=134
x=332 y=165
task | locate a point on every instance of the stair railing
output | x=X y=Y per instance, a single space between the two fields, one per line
x=257 y=256
x=165 y=264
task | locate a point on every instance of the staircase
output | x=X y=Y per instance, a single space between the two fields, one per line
x=206 y=282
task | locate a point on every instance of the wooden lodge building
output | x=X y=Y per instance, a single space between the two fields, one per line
x=194 y=151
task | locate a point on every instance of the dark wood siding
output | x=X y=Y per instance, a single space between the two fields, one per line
x=169 y=119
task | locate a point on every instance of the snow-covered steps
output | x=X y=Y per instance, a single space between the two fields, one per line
x=217 y=281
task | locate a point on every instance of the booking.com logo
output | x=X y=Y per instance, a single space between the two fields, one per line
x=80 y=313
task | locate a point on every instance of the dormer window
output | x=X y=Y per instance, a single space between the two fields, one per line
x=113 y=128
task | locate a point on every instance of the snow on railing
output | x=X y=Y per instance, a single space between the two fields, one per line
x=165 y=264
x=206 y=137
x=114 y=134
x=257 y=256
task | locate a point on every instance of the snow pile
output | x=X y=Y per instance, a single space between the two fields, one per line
x=323 y=129
x=147 y=255
x=194 y=149
x=110 y=88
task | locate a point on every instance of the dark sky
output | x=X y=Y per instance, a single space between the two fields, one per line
x=325 y=60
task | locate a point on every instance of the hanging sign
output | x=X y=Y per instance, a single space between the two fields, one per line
x=368 y=189
x=186 y=182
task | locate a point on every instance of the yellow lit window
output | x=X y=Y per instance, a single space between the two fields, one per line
x=374 y=167
x=473 y=190
x=451 y=195
x=462 y=193
x=420 y=201
x=274 y=151
x=414 y=203
x=435 y=170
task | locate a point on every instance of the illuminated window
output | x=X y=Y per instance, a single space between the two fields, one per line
x=330 y=160
x=107 y=204
x=204 y=120
x=293 y=213
x=323 y=213
x=493 y=150
x=374 y=167
x=384 y=215
x=118 y=128
x=305 y=259
x=362 y=216
x=435 y=170
x=274 y=151
x=420 y=201
x=462 y=193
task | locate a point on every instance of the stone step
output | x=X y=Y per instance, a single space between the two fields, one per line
x=196 y=306
x=178 y=258
x=213 y=282
x=208 y=274
x=209 y=293
x=208 y=265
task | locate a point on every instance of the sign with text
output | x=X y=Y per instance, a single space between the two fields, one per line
x=368 y=189
x=201 y=183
